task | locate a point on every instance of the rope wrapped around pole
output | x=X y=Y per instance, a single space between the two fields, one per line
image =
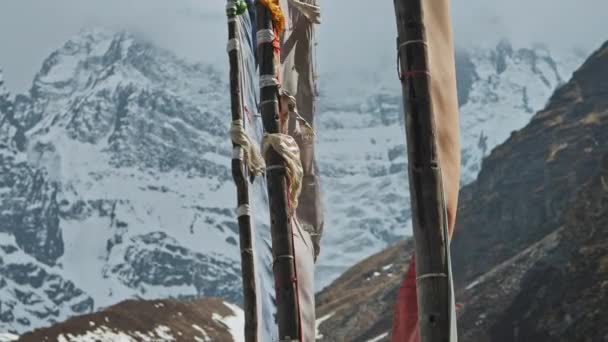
x=284 y=267
x=251 y=153
x=289 y=151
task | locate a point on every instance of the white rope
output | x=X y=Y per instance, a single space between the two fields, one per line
x=288 y=149
x=255 y=162
x=416 y=41
x=268 y=81
x=238 y=153
x=264 y=36
x=265 y=102
x=432 y=275
x=274 y=167
x=243 y=210
x=233 y=44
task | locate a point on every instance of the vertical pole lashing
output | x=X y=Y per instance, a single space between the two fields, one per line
x=280 y=217
x=240 y=175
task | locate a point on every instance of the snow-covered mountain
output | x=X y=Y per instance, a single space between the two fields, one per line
x=115 y=178
x=117 y=184
x=362 y=154
x=529 y=250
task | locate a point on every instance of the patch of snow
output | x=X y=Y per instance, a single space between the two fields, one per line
x=205 y=337
x=473 y=284
x=378 y=338
x=164 y=332
x=7 y=337
x=234 y=322
x=105 y=334
x=318 y=323
x=101 y=334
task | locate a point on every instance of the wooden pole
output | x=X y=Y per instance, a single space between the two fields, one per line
x=426 y=188
x=240 y=174
x=280 y=227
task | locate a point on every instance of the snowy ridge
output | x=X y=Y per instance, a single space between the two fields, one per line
x=234 y=323
x=509 y=86
x=8 y=337
x=205 y=320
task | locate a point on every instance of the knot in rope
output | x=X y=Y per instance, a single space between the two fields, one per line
x=254 y=159
x=268 y=81
x=264 y=36
x=233 y=45
x=287 y=148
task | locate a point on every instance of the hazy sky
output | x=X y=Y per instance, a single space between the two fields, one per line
x=196 y=29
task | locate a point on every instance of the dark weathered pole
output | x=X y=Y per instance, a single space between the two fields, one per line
x=426 y=187
x=240 y=174
x=280 y=227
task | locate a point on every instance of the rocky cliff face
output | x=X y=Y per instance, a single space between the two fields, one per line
x=527 y=182
x=554 y=290
x=529 y=246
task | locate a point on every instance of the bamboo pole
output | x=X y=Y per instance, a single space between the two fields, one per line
x=288 y=318
x=426 y=188
x=240 y=174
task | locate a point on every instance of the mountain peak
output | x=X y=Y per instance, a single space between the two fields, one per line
x=80 y=58
x=120 y=141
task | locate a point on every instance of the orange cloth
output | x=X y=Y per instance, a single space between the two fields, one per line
x=278 y=18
